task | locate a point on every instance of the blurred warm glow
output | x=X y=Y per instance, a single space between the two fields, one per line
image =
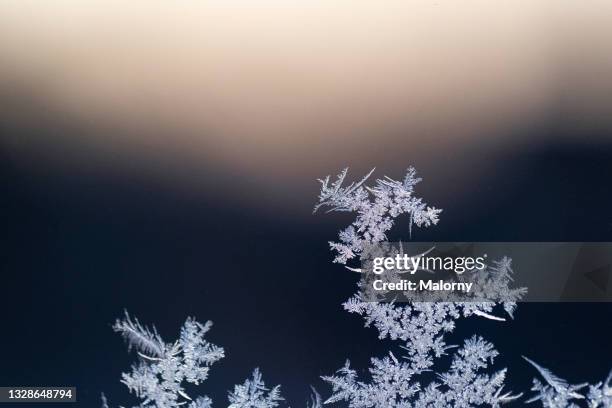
x=250 y=83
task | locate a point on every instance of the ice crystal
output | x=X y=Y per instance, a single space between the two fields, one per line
x=558 y=393
x=254 y=394
x=164 y=369
x=394 y=382
x=315 y=399
x=414 y=380
x=376 y=209
x=421 y=326
x=159 y=377
x=600 y=394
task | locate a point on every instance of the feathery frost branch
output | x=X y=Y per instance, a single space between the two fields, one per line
x=558 y=393
x=254 y=394
x=421 y=326
x=376 y=208
x=140 y=337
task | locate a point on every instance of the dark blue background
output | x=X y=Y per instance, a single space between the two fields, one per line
x=77 y=249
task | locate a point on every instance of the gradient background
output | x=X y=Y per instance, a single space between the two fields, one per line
x=161 y=157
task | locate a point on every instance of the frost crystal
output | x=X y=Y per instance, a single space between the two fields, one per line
x=254 y=394
x=163 y=367
x=376 y=209
x=421 y=326
x=557 y=393
x=414 y=380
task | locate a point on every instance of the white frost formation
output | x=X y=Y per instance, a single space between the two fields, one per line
x=412 y=381
x=557 y=393
x=164 y=368
x=399 y=382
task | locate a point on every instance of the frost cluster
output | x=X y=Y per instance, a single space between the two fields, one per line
x=420 y=326
x=376 y=208
x=557 y=393
x=254 y=394
x=429 y=372
x=159 y=377
x=415 y=379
